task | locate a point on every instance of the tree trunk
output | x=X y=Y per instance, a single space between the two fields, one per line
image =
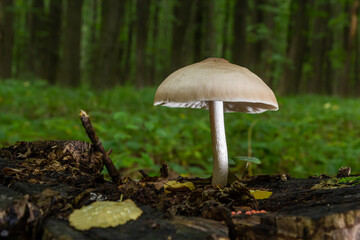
x=210 y=34
x=43 y=45
x=239 y=32
x=255 y=48
x=36 y=22
x=107 y=54
x=70 y=63
x=143 y=12
x=182 y=14
x=329 y=76
x=6 y=38
x=267 y=64
x=92 y=40
x=52 y=45
x=198 y=35
x=350 y=34
x=126 y=74
x=225 y=32
x=319 y=46
x=357 y=59
x=155 y=36
x=290 y=82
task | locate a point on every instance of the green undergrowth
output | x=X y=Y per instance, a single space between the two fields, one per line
x=308 y=135
x=350 y=180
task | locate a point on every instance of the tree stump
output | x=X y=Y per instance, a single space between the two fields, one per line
x=41 y=183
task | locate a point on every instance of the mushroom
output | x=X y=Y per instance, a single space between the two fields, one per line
x=219 y=86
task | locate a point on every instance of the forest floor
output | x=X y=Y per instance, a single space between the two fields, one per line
x=308 y=130
x=41 y=183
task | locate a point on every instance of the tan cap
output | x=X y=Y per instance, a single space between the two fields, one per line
x=215 y=79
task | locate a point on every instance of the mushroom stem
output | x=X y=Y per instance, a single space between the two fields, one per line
x=218 y=140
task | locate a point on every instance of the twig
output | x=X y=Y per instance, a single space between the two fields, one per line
x=164 y=170
x=143 y=174
x=114 y=174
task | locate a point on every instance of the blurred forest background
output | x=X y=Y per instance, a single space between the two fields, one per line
x=108 y=56
x=295 y=46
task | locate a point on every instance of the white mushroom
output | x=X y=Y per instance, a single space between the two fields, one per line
x=219 y=86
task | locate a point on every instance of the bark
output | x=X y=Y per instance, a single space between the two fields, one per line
x=290 y=82
x=239 y=44
x=70 y=63
x=107 y=54
x=319 y=47
x=180 y=30
x=6 y=38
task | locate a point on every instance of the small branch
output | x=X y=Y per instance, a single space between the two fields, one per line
x=143 y=174
x=113 y=172
x=164 y=170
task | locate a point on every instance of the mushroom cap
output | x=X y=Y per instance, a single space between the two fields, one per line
x=216 y=79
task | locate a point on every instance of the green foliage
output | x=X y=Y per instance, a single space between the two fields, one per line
x=308 y=135
x=349 y=180
x=248 y=159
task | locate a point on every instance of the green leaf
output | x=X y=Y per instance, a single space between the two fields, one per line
x=248 y=159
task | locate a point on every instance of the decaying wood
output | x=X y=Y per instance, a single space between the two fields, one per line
x=41 y=183
x=151 y=225
x=303 y=209
x=113 y=172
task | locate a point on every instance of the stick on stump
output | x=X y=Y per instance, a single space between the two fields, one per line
x=113 y=172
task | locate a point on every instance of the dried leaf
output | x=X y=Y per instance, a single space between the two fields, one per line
x=10 y=171
x=104 y=214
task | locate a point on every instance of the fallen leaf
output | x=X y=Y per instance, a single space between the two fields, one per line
x=259 y=194
x=104 y=214
x=175 y=186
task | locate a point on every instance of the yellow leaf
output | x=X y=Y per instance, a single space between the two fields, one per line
x=104 y=214
x=259 y=194
x=173 y=186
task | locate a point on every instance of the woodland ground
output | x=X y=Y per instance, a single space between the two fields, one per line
x=308 y=135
